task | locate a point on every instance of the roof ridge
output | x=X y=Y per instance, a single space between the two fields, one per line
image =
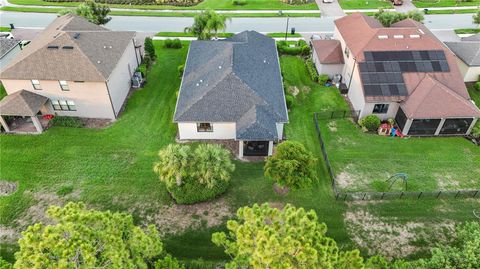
x=86 y=57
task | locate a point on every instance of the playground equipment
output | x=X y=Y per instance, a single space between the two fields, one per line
x=397 y=176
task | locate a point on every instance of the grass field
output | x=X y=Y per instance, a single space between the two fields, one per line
x=475 y=95
x=365 y=4
x=444 y=3
x=206 y=4
x=220 y=35
x=467 y=31
x=112 y=169
x=363 y=162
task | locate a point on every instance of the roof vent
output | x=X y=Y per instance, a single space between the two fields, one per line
x=98 y=62
x=67 y=47
x=219 y=67
x=197 y=84
x=421 y=31
x=76 y=35
x=414 y=36
x=52 y=47
x=383 y=37
x=398 y=36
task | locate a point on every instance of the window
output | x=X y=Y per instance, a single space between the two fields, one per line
x=380 y=108
x=347 y=52
x=36 y=84
x=64 y=105
x=64 y=85
x=204 y=127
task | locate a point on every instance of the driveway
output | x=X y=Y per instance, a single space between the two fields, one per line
x=406 y=6
x=330 y=9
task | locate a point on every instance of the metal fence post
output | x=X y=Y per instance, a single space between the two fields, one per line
x=438 y=195
x=401 y=195
x=475 y=194
x=458 y=192
x=420 y=195
x=383 y=194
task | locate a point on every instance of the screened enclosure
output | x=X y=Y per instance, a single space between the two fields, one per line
x=456 y=126
x=424 y=126
x=400 y=119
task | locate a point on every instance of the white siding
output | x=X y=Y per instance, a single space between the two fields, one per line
x=119 y=81
x=9 y=56
x=280 y=131
x=223 y=130
x=355 y=93
x=391 y=113
x=329 y=69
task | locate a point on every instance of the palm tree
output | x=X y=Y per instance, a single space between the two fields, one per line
x=216 y=22
x=205 y=23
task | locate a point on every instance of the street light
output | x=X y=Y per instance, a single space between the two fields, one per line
x=286 y=29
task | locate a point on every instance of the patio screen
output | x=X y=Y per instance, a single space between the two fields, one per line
x=456 y=126
x=424 y=127
x=401 y=119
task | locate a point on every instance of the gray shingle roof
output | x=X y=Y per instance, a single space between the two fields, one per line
x=467 y=51
x=22 y=103
x=475 y=37
x=70 y=48
x=235 y=80
x=7 y=45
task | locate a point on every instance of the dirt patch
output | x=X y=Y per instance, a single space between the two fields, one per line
x=280 y=190
x=332 y=126
x=8 y=235
x=293 y=90
x=7 y=187
x=446 y=182
x=392 y=239
x=277 y=205
x=345 y=179
x=175 y=219
x=96 y=123
x=306 y=89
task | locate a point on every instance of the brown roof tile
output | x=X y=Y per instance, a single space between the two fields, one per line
x=328 y=51
x=22 y=103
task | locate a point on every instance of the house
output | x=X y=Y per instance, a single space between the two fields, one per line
x=468 y=56
x=405 y=73
x=83 y=69
x=327 y=56
x=9 y=48
x=232 y=90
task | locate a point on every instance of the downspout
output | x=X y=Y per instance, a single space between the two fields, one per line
x=353 y=70
x=110 y=98
x=135 y=50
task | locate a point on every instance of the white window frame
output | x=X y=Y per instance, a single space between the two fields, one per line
x=64 y=85
x=208 y=129
x=36 y=84
x=63 y=105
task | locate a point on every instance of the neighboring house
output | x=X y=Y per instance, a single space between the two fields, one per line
x=83 y=69
x=9 y=48
x=327 y=56
x=468 y=57
x=233 y=90
x=404 y=72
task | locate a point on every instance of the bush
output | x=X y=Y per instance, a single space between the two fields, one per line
x=477 y=86
x=67 y=122
x=180 y=69
x=312 y=71
x=149 y=48
x=194 y=175
x=476 y=130
x=289 y=100
x=173 y=44
x=291 y=165
x=370 y=122
x=322 y=79
x=239 y=2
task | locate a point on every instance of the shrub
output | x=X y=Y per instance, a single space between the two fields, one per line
x=149 y=48
x=173 y=44
x=147 y=60
x=289 y=100
x=194 y=175
x=180 y=69
x=67 y=122
x=370 y=122
x=477 y=86
x=312 y=71
x=476 y=130
x=239 y=2
x=322 y=79
x=291 y=165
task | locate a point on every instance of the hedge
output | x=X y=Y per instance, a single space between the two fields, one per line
x=67 y=121
x=301 y=48
x=173 y=44
x=312 y=71
x=139 y=2
x=192 y=192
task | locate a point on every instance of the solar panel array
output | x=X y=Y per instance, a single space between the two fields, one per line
x=381 y=72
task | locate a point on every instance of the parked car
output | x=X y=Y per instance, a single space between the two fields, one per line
x=397 y=2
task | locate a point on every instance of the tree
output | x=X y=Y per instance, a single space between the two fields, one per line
x=4 y=264
x=476 y=17
x=83 y=238
x=266 y=237
x=206 y=22
x=387 y=18
x=150 y=48
x=291 y=165
x=465 y=254
x=174 y=165
x=90 y=10
x=212 y=164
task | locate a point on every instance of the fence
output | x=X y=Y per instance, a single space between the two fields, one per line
x=353 y=196
x=337 y=114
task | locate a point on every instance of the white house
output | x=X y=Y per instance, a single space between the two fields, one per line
x=233 y=90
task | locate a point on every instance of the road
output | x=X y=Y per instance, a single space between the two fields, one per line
x=177 y=24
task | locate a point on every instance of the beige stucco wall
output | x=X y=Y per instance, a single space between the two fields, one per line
x=119 y=81
x=9 y=56
x=221 y=130
x=91 y=98
x=470 y=74
x=391 y=113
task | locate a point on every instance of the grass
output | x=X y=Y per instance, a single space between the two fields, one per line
x=451 y=11
x=5 y=29
x=183 y=34
x=365 y=4
x=467 y=31
x=147 y=13
x=283 y=35
x=444 y=3
x=475 y=95
x=102 y=165
x=206 y=4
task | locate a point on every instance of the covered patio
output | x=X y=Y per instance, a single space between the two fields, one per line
x=21 y=112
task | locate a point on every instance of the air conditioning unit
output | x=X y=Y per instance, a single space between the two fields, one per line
x=137 y=80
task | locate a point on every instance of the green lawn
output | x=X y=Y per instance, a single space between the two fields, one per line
x=206 y=4
x=365 y=4
x=475 y=95
x=467 y=31
x=112 y=169
x=182 y=34
x=444 y=3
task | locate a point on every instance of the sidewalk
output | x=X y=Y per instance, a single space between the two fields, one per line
x=194 y=38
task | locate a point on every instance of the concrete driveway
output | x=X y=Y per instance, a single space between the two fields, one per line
x=330 y=9
x=406 y=6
